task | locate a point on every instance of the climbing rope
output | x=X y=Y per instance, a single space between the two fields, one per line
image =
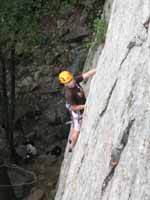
x=26 y=172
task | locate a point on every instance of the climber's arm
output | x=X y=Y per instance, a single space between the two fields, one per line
x=77 y=107
x=88 y=74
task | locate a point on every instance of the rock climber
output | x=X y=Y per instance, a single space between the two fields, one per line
x=75 y=101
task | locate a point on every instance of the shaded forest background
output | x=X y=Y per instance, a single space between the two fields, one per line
x=39 y=38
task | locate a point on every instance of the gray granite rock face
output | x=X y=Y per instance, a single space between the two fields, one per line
x=107 y=9
x=116 y=125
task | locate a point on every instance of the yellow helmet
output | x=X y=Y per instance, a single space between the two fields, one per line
x=65 y=77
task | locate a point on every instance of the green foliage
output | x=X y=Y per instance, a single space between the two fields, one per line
x=56 y=7
x=19 y=24
x=100 y=27
x=51 y=195
x=88 y=43
x=87 y=68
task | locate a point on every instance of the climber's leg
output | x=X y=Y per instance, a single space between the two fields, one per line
x=74 y=134
x=73 y=139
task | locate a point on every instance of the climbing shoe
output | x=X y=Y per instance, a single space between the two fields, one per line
x=114 y=163
x=70 y=150
x=70 y=141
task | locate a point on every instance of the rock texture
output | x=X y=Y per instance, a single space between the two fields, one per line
x=112 y=157
x=107 y=9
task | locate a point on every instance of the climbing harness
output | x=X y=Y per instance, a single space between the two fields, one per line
x=74 y=114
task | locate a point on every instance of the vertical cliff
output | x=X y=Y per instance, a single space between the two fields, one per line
x=112 y=157
x=107 y=9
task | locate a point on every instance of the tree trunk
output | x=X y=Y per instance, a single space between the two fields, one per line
x=6 y=193
x=12 y=101
x=4 y=97
x=8 y=110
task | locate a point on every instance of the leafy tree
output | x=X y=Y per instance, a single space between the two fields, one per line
x=6 y=193
x=19 y=21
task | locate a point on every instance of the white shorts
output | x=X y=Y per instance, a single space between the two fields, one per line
x=76 y=120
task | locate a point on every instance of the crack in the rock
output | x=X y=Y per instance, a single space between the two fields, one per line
x=146 y=24
x=106 y=106
x=108 y=99
x=130 y=46
x=136 y=42
x=107 y=180
x=82 y=159
x=129 y=196
x=95 y=125
x=131 y=187
x=115 y=158
x=125 y=136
